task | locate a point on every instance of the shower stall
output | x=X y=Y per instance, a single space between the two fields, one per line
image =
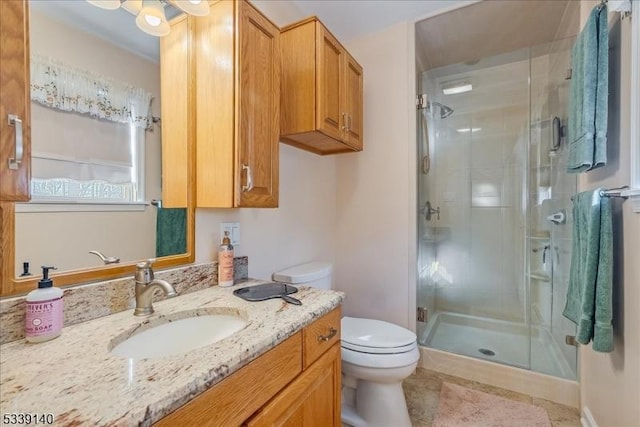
x=494 y=209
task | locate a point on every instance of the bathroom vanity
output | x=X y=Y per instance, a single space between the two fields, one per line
x=297 y=383
x=284 y=365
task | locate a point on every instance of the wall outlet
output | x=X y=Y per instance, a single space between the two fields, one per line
x=234 y=232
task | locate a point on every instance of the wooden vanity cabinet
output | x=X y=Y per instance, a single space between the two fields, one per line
x=15 y=137
x=297 y=383
x=321 y=99
x=237 y=90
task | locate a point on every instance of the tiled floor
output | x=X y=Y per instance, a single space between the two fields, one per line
x=422 y=390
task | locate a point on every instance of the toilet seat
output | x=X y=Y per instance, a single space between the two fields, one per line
x=375 y=336
x=375 y=343
x=373 y=360
x=378 y=350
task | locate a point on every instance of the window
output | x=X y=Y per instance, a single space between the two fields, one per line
x=88 y=136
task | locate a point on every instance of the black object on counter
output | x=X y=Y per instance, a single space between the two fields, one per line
x=268 y=291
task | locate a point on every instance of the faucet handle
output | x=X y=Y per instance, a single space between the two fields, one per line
x=144 y=271
x=145 y=264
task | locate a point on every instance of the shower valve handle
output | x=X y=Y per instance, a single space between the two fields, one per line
x=428 y=211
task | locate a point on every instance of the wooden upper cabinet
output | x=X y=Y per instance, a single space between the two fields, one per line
x=237 y=90
x=321 y=99
x=330 y=82
x=353 y=103
x=176 y=67
x=15 y=137
x=258 y=95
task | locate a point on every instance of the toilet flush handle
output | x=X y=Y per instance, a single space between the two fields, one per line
x=332 y=333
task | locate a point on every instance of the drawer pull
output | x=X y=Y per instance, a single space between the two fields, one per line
x=332 y=333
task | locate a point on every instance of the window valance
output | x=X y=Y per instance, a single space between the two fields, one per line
x=68 y=88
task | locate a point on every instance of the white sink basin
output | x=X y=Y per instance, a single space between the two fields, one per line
x=179 y=336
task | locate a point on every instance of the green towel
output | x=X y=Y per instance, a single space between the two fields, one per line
x=171 y=231
x=589 y=95
x=589 y=303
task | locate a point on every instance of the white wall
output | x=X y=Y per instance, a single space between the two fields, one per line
x=375 y=197
x=610 y=382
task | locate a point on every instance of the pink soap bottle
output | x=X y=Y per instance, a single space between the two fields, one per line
x=225 y=262
x=44 y=315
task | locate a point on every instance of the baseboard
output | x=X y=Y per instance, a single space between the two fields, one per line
x=586 y=418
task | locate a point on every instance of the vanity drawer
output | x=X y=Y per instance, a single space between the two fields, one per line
x=320 y=336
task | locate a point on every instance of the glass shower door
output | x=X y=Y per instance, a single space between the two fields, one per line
x=426 y=241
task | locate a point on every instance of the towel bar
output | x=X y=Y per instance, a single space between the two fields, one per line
x=613 y=192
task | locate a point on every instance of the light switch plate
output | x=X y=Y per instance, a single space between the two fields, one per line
x=234 y=232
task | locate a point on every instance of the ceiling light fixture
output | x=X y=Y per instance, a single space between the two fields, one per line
x=467 y=130
x=192 y=7
x=105 y=4
x=455 y=88
x=152 y=20
x=150 y=16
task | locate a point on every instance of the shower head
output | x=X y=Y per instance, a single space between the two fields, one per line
x=444 y=110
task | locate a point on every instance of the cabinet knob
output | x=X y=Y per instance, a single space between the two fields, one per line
x=344 y=121
x=249 y=185
x=14 y=162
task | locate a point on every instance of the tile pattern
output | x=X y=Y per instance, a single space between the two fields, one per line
x=422 y=391
x=87 y=302
x=77 y=379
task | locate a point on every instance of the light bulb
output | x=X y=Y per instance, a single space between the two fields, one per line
x=105 y=4
x=192 y=7
x=152 y=20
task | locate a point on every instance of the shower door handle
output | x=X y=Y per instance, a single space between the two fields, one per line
x=428 y=211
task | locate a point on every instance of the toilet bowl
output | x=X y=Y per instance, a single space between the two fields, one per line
x=376 y=357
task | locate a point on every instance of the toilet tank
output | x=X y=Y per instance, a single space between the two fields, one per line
x=315 y=274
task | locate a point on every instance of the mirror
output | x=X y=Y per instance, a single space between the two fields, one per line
x=97 y=166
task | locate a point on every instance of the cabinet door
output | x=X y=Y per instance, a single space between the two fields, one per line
x=14 y=102
x=311 y=400
x=353 y=103
x=258 y=121
x=330 y=114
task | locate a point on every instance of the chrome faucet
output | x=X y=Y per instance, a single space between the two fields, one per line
x=145 y=285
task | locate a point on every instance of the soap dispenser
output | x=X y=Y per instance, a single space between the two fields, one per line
x=225 y=262
x=44 y=315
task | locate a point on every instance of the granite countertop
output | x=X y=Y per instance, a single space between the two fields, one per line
x=76 y=378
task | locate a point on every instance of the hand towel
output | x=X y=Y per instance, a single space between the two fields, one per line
x=589 y=303
x=171 y=231
x=589 y=95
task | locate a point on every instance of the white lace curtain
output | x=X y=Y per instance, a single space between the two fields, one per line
x=69 y=88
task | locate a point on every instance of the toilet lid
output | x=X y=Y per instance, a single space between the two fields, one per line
x=369 y=335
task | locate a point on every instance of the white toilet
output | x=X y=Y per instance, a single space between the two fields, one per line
x=376 y=357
